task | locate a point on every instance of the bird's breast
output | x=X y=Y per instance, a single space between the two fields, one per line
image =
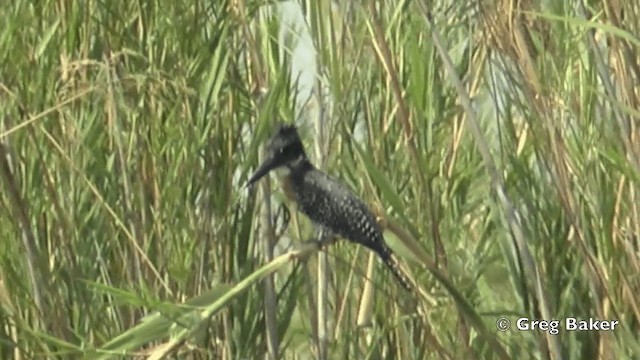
x=287 y=187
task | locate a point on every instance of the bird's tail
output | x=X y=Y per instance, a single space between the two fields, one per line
x=387 y=257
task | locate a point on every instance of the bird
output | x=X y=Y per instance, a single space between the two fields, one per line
x=328 y=203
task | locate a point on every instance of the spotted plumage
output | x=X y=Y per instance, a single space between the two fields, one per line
x=324 y=200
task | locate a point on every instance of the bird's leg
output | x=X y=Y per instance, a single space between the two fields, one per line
x=326 y=238
x=323 y=239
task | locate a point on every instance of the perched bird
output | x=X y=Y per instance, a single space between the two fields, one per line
x=325 y=201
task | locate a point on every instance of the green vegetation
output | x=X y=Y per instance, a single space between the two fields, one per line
x=498 y=142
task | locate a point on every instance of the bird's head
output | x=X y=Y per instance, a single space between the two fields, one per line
x=284 y=150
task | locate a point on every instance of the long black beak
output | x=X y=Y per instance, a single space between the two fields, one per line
x=268 y=165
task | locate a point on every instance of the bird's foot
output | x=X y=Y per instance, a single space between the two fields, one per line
x=326 y=241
